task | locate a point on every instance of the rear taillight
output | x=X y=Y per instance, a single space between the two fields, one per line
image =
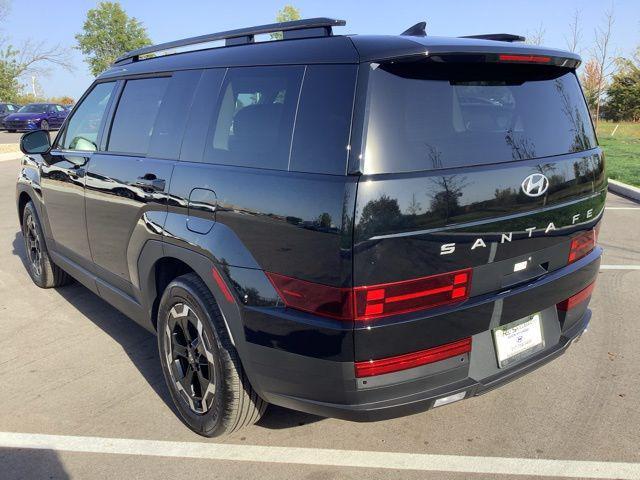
x=582 y=245
x=411 y=360
x=314 y=297
x=411 y=295
x=576 y=299
x=524 y=58
x=373 y=301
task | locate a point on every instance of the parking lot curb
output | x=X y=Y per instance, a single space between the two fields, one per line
x=625 y=190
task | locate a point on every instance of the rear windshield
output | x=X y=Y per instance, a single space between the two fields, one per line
x=426 y=116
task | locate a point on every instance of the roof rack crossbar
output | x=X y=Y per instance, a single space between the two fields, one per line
x=316 y=26
x=498 y=37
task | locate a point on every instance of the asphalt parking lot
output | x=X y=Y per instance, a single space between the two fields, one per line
x=83 y=396
x=6 y=137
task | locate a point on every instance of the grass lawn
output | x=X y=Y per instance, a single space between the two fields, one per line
x=622 y=150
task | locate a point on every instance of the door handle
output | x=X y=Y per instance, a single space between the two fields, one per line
x=150 y=182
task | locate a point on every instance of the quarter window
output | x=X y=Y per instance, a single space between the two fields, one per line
x=136 y=115
x=83 y=128
x=254 y=120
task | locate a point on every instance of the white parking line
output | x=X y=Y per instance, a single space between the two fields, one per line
x=619 y=267
x=622 y=208
x=325 y=457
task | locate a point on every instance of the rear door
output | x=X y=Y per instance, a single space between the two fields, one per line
x=493 y=167
x=127 y=182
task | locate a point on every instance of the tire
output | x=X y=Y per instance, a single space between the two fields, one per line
x=44 y=125
x=207 y=383
x=41 y=268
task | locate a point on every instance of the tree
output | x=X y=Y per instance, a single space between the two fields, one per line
x=591 y=81
x=537 y=36
x=107 y=33
x=623 y=95
x=288 y=14
x=575 y=33
x=28 y=58
x=602 y=55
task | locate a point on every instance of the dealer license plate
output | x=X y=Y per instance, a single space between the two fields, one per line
x=518 y=339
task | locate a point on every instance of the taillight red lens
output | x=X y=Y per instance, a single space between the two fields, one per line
x=576 y=299
x=411 y=295
x=313 y=297
x=411 y=360
x=582 y=245
x=524 y=58
x=373 y=301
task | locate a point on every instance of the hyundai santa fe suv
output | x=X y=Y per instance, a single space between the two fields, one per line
x=358 y=227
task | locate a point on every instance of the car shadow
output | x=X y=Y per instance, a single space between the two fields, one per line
x=141 y=346
x=21 y=463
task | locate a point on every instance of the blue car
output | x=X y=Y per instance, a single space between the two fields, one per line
x=36 y=116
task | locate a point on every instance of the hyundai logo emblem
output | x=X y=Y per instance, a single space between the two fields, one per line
x=535 y=185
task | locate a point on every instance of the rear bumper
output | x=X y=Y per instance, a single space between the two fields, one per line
x=398 y=406
x=329 y=388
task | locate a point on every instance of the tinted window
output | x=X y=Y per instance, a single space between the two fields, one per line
x=34 y=108
x=255 y=115
x=136 y=115
x=323 y=120
x=172 y=117
x=82 y=129
x=427 y=116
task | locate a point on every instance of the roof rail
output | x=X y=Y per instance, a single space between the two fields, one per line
x=498 y=37
x=311 y=27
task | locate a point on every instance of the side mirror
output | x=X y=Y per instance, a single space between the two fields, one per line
x=35 y=142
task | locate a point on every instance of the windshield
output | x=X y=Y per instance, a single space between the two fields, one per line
x=34 y=108
x=426 y=116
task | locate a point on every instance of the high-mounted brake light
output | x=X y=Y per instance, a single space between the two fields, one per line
x=524 y=58
x=373 y=301
x=411 y=360
x=582 y=245
x=576 y=299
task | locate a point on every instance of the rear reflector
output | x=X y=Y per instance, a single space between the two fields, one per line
x=576 y=299
x=223 y=286
x=524 y=58
x=411 y=360
x=582 y=245
x=411 y=295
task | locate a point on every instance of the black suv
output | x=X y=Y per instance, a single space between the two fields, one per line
x=353 y=226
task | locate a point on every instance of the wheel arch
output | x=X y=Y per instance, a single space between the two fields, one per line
x=160 y=263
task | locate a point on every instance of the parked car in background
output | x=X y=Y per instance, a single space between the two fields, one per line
x=36 y=116
x=7 y=109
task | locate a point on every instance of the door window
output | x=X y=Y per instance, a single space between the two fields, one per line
x=254 y=120
x=83 y=127
x=136 y=115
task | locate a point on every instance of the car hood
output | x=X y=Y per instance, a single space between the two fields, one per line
x=25 y=116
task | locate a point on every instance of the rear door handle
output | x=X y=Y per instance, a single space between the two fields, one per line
x=150 y=182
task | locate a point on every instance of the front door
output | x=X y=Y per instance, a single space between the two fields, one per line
x=64 y=174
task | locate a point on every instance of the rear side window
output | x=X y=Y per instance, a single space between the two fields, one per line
x=136 y=114
x=323 y=120
x=254 y=121
x=82 y=129
x=425 y=116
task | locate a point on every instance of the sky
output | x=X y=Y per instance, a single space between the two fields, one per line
x=165 y=20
